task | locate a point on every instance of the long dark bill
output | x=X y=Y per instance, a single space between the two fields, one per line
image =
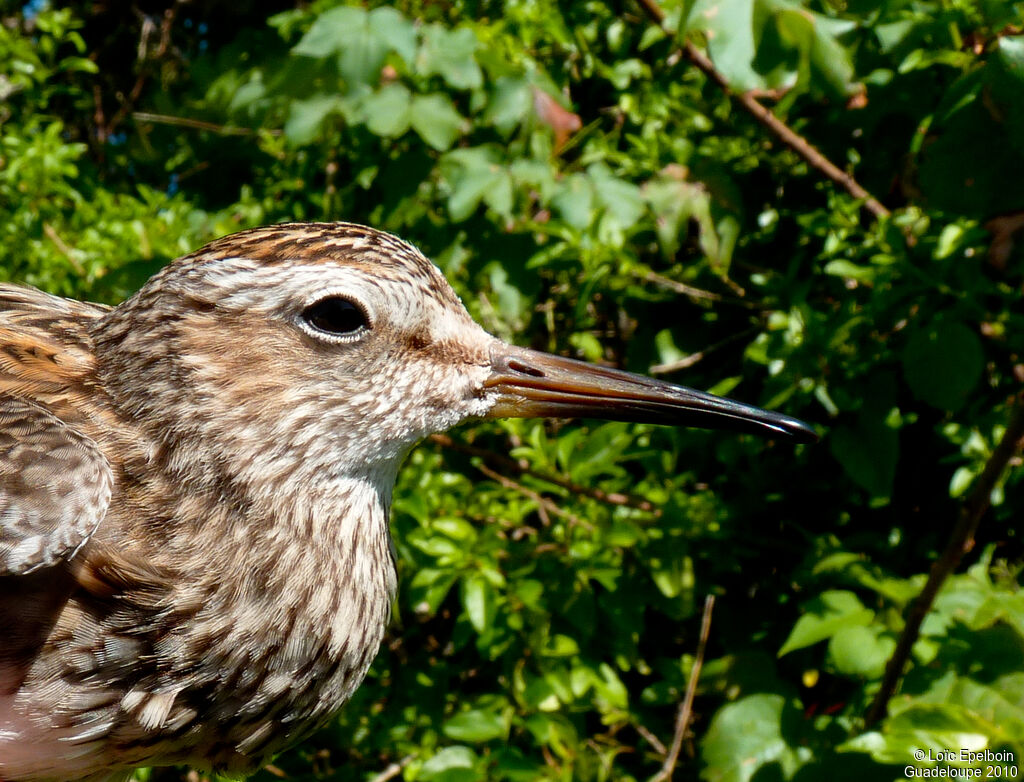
x=532 y=384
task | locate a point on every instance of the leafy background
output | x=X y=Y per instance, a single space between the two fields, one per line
x=589 y=191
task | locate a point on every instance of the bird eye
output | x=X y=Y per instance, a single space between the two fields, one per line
x=336 y=316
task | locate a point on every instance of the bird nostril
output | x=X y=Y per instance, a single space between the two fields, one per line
x=526 y=369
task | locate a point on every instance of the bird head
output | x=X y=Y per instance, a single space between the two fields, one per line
x=343 y=346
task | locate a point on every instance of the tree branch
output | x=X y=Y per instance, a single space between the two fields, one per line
x=692 y=293
x=393 y=770
x=688 y=361
x=197 y=124
x=508 y=465
x=961 y=541
x=762 y=114
x=67 y=251
x=544 y=505
x=686 y=707
x=145 y=60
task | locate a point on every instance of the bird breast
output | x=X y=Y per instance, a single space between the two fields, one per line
x=293 y=630
x=254 y=643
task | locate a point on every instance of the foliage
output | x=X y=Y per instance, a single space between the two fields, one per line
x=589 y=192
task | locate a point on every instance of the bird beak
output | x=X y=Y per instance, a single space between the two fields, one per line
x=530 y=384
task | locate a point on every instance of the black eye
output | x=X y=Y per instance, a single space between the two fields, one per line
x=336 y=315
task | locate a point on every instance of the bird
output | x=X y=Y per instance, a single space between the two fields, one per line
x=195 y=561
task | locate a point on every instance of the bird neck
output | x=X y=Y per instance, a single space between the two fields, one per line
x=297 y=586
x=305 y=526
x=310 y=598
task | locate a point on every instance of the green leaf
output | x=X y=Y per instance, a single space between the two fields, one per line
x=999 y=703
x=942 y=364
x=850 y=270
x=673 y=576
x=859 y=651
x=305 y=118
x=821 y=57
x=1010 y=54
x=467 y=193
x=449 y=53
x=362 y=58
x=79 y=64
x=476 y=725
x=983 y=108
x=729 y=25
x=250 y=92
x=560 y=645
x=764 y=44
x=499 y=197
x=436 y=120
x=868 y=453
x=510 y=765
x=510 y=103
x=622 y=200
x=429 y=587
x=391 y=27
x=451 y=764
x=455 y=528
x=479 y=601
x=331 y=31
x=510 y=299
x=869 y=449
x=574 y=200
x=931 y=729
x=747 y=736
x=674 y=202
x=609 y=687
x=360 y=40
x=1005 y=76
x=471 y=174
x=824 y=616
x=387 y=111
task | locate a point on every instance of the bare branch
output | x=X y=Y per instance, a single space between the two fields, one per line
x=961 y=540
x=393 y=770
x=66 y=250
x=511 y=466
x=700 y=355
x=653 y=740
x=686 y=707
x=762 y=114
x=145 y=61
x=544 y=505
x=197 y=124
x=695 y=294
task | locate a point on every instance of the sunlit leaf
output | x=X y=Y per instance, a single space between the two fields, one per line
x=824 y=616
x=436 y=120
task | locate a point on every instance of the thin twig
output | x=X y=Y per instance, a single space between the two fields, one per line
x=544 y=505
x=197 y=124
x=961 y=540
x=66 y=250
x=99 y=119
x=686 y=707
x=393 y=770
x=688 y=361
x=693 y=293
x=507 y=465
x=762 y=114
x=145 y=60
x=653 y=740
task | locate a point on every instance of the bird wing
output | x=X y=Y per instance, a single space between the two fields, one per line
x=55 y=486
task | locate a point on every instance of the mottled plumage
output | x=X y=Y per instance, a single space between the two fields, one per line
x=195 y=564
